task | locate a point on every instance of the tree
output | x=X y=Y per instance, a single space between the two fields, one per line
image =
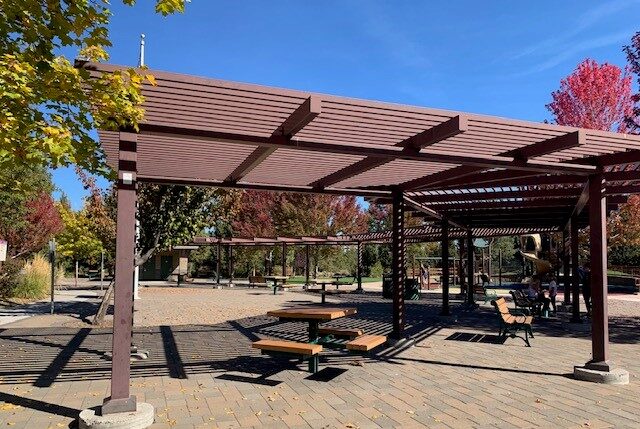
x=49 y=106
x=633 y=56
x=77 y=241
x=29 y=219
x=594 y=96
x=173 y=215
x=624 y=225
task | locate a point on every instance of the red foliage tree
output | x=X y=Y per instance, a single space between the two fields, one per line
x=633 y=56
x=594 y=96
x=41 y=222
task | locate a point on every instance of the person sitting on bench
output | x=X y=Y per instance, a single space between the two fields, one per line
x=485 y=279
x=536 y=294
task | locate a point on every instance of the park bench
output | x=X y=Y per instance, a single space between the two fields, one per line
x=523 y=302
x=257 y=281
x=302 y=351
x=340 y=332
x=366 y=343
x=484 y=293
x=512 y=322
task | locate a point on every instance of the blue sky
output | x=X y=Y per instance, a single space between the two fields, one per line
x=501 y=57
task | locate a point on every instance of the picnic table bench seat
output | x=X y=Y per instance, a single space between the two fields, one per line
x=365 y=343
x=302 y=350
x=340 y=332
x=511 y=323
x=257 y=281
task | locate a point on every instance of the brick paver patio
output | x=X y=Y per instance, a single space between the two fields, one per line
x=207 y=376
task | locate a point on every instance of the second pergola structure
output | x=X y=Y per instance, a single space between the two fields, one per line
x=463 y=171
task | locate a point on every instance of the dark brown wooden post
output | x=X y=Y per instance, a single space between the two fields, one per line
x=598 y=262
x=120 y=400
x=306 y=265
x=397 y=255
x=575 y=276
x=470 y=268
x=359 y=266
x=218 y=255
x=284 y=259
x=566 y=268
x=463 y=280
x=445 y=268
x=231 y=265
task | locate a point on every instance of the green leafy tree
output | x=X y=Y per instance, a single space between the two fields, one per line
x=77 y=240
x=49 y=106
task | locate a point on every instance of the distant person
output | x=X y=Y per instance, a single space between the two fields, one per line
x=532 y=290
x=586 y=287
x=485 y=279
x=553 y=292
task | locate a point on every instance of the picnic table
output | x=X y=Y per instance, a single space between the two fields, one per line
x=312 y=315
x=275 y=280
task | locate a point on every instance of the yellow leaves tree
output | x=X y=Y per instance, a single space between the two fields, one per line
x=50 y=107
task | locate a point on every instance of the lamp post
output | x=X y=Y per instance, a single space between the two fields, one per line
x=52 y=260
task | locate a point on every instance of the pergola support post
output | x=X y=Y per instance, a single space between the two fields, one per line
x=218 y=256
x=231 y=267
x=575 y=275
x=397 y=264
x=463 y=281
x=121 y=400
x=306 y=266
x=470 y=268
x=359 y=267
x=284 y=259
x=599 y=368
x=445 y=268
x=566 y=268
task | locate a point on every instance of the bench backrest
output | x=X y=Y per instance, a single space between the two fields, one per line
x=501 y=307
x=518 y=297
x=256 y=279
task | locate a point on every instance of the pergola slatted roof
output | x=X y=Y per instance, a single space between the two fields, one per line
x=412 y=235
x=211 y=132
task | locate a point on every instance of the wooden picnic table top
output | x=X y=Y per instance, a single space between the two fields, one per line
x=313 y=313
x=276 y=277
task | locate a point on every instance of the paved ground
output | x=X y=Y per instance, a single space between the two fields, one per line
x=206 y=374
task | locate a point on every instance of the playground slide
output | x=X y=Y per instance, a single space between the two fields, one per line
x=542 y=266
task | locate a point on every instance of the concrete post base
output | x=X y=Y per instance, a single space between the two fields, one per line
x=140 y=419
x=615 y=376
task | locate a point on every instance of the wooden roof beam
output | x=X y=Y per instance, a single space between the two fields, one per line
x=299 y=118
x=523 y=154
x=429 y=211
x=442 y=131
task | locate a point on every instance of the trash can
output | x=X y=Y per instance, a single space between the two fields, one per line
x=411 y=288
x=387 y=286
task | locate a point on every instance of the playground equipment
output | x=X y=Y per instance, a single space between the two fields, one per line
x=530 y=248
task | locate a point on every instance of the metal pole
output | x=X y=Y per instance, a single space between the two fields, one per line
x=598 y=245
x=230 y=266
x=460 y=265
x=445 y=268
x=397 y=255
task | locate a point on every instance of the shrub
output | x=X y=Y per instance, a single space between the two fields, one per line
x=35 y=279
x=9 y=276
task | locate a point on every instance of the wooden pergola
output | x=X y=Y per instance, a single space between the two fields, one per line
x=462 y=171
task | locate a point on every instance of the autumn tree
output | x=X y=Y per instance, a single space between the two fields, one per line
x=594 y=96
x=28 y=219
x=633 y=56
x=49 y=106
